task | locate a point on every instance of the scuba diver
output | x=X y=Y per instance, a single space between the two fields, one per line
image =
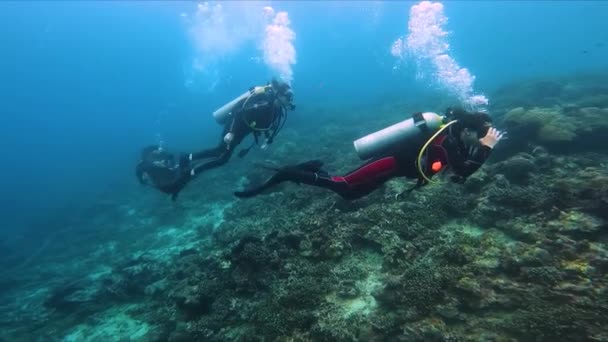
x=159 y=169
x=416 y=148
x=259 y=111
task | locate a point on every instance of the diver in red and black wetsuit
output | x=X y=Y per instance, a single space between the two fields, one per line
x=461 y=145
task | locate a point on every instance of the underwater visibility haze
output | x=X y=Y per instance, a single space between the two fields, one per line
x=508 y=244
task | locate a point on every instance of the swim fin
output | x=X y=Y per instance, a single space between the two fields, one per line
x=311 y=165
x=282 y=174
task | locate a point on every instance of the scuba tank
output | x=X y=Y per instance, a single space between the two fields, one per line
x=222 y=114
x=382 y=140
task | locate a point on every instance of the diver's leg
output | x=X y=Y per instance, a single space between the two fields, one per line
x=320 y=179
x=367 y=178
x=356 y=184
x=239 y=133
x=187 y=171
x=186 y=159
x=213 y=152
x=224 y=153
x=219 y=161
x=187 y=174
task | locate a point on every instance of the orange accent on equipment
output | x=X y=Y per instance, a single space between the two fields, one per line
x=436 y=166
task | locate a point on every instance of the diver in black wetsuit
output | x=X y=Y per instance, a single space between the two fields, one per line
x=462 y=147
x=159 y=169
x=262 y=110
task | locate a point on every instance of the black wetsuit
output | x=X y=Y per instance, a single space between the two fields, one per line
x=158 y=168
x=258 y=114
x=444 y=151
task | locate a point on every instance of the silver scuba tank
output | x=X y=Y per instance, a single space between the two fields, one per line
x=222 y=114
x=382 y=140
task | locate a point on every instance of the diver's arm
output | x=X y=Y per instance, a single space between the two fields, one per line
x=464 y=162
x=464 y=167
x=258 y=99
x=229 y=136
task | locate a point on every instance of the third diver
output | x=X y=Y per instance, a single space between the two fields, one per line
x=259 y=111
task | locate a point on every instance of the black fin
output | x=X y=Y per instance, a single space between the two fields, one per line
x=245 y=193
x=267 y=167
x=279 y=177
x=311 y=165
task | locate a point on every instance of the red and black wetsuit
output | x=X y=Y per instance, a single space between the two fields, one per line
x=444 y=151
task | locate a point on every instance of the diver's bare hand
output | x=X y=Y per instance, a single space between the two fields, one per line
x=492 y=138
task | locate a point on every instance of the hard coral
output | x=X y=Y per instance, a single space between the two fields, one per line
x=523 y=198
x=546 y=275
x=516 y=169
x=545 y=124
x=586 y=189
x=563 y=128
x=420 y=287
x=545 y=321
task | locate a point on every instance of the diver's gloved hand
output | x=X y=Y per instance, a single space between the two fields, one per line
x=492 y=138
